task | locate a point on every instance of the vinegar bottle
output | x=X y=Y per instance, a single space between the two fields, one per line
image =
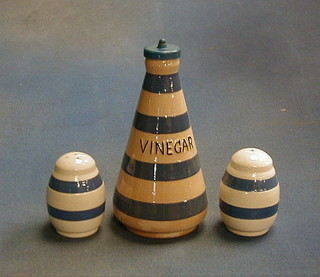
x=161 y=191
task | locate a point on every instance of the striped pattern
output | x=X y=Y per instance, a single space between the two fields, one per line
x=162 y=148
x=161 y=125
x=161 y=153
x=162 y=83
x=160 y=212
x=249 y=185
x=249 y=199
x=76 y=201
x=160 y=172
x=76 y=215
x=246 y=213
x=165 y=104
x=75 y=187
x=157 y=191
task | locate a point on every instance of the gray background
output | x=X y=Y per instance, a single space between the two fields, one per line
x=70 y=78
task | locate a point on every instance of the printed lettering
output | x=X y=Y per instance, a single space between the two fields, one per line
x=160 y=146
x=143 y=148
x=169 y=147
x=184 y=145
x=190 y=142
x=177 y=147
x=166 y=147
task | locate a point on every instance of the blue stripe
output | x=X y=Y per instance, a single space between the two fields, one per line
x=160 y=212
x=161 y=83
x=76 y=215
x=161 y=125
x=249 y=185
x=160 y=172
x=245 y=213
x=75 y=187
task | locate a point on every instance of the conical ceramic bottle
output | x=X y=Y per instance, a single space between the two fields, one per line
x=160 y=191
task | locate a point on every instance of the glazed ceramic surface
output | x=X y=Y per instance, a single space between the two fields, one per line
x=249 y=193
x=160 y=191
x=76 y=196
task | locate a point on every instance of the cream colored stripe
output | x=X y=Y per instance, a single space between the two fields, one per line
x=160 y=226
x=76 y=229
x=248 y=225
x=160 y=191
x=76 y=201
x=147 y=147
x=67 y=177
x=162 y=67
x=164 y=104
x=252 y=199
x=243 y=173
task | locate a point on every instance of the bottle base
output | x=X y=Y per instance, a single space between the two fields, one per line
x=161 y=235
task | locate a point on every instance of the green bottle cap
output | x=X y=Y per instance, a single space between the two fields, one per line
x=162 y=51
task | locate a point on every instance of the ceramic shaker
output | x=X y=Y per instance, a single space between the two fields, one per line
x=76 y=196
x=249 y=193
x=161 y=191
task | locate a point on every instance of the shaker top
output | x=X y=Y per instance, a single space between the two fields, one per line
x=74 y=166
x=162 y=51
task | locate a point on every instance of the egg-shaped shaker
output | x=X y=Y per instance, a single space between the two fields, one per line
x=76 y=196
x=249 y=193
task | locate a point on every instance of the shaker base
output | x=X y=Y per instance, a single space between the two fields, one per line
x=77 y=235
x=246 y=233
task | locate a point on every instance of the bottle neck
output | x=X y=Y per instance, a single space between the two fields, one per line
x=162 y=67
